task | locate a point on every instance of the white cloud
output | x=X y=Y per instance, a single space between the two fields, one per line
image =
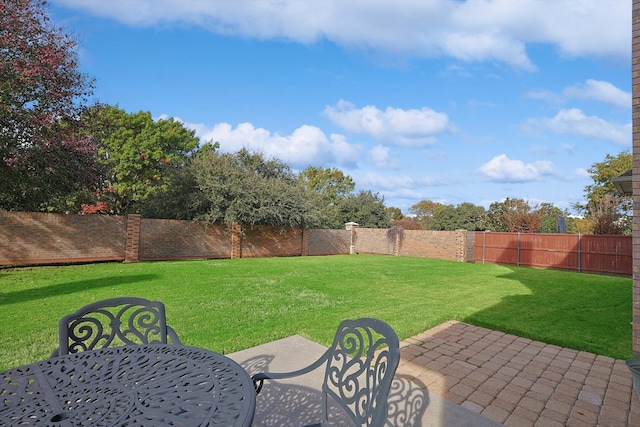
x=404 y=127
x=379 y=157
x=600 y=91
x=395 y=182
x=546 y=96
x=305 y=146
x=583 y=173
x=574 y=122
x=503 y=169
x=472 y=30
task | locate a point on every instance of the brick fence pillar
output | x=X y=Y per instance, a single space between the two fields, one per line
x=132 y=253
x=236 y=240
x=305 y=242
x=465 y=245
x=397 y=243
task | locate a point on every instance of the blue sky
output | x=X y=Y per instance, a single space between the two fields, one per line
x=450 y=101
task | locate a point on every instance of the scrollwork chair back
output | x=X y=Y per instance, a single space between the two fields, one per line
x=360 y=366
x=113 y=322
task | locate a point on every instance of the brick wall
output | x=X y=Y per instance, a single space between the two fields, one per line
x=373 y=241
x=261 y=242
x=328 y=242
x=40 y=238
x=162 y=239
x=451 y=245
x=35 y=238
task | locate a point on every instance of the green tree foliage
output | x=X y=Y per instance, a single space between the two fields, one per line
x=139 y=155
x=365 y=208
x=602 y=172
x=423 y=211
x=465 y=216
x=551 y=218
x=330 y=186
x=602 y=196
x=605 y=215
x=42 y=93
x=246 y=188
x=395 y=213
x=513 y=215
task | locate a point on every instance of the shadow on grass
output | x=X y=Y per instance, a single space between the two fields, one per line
x=68 y=288
x=591 y=312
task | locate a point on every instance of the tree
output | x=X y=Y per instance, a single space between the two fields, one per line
x=602 y=195
x=246 y=188
x=365 y=208
x=602 y=172
x=606 y=217
x=552 y=217
x=42 y=94
x=423 y=211
x=465 y=216
x=330 y=186
x=395 y=213
x=138 y=155
x=512 y=215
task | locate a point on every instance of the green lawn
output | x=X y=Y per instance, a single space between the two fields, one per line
x=228 y=305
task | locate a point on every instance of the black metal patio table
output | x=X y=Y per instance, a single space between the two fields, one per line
x=136 y=385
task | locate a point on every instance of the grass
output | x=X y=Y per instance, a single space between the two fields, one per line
x=228 y=305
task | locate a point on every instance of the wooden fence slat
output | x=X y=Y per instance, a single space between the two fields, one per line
x=610 y=254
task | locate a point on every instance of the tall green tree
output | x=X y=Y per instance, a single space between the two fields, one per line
x=465 y=216
x=138 y=154
x=395 y=213
x=365 y=208
x=602 y=196
x=552 y=217
x=249 y=189
x=330 y=186
x=603 y=172
x=42 y=94
x=331 y=183
x=423 y=211
x=513 y=215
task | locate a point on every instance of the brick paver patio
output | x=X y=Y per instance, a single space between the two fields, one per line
x=519 y=382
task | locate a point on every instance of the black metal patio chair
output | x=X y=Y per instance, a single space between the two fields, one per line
x=360 y=365
x=114 y=322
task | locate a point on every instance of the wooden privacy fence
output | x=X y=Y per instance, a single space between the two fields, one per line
x=586 y=253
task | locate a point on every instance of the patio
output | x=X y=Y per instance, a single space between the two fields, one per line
x=457 y=375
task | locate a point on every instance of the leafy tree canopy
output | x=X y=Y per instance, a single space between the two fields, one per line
x=602 y=172
x=365 y=208
x=513 y=215
x=246 y=188
x=138 y=154
x=331 y=184
x=42 y=94
x=395 y=213
x=609 y=210
x=465 y=216
x=423 y=211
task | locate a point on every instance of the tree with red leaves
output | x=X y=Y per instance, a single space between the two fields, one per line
x=42 y=95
